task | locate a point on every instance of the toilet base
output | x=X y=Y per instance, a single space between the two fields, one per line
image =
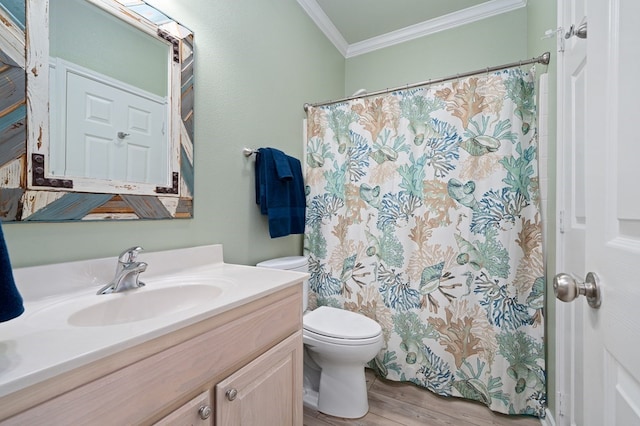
x=343 y=392
x=310 y=400
x=345 y=389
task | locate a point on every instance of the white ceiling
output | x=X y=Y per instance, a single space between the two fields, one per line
x=360 y=26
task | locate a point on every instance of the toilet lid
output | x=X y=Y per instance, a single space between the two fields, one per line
x=289 y=262
x=340 y=323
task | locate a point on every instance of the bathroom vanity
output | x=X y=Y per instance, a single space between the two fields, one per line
x=234 y=359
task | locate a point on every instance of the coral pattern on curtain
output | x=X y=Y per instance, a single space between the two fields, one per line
x=423 y=214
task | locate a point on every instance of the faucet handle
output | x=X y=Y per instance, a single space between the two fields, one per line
x=129 y=255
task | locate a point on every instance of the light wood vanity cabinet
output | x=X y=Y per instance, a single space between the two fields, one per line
x=245 y=364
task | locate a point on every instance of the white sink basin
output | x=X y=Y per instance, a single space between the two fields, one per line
x=129 y=306
x=141 y=305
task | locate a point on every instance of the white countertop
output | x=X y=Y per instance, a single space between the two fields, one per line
x=41 y=344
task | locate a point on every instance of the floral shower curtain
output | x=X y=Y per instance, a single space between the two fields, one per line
x=423 y=214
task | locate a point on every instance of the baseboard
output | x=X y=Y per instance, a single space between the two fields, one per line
x=548 y=420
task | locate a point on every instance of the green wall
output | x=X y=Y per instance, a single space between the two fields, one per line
x=257 y=63
x=493 y=41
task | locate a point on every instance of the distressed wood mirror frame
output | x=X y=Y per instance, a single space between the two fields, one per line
x=27 y=191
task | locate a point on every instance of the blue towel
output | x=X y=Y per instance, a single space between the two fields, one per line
x=10 y=299
x=281 y=161
x=280 y=192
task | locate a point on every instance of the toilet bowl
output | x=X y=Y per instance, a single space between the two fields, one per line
x=337 y=346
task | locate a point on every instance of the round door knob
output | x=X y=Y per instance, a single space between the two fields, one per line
x=231 y=394
x=567 y=288
x=205 y=412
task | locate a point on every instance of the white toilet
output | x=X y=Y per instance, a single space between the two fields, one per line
x=338 y=344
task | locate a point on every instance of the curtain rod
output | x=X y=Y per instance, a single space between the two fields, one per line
x=543 y=59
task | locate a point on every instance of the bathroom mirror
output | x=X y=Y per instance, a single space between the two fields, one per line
x=49 y=176
x=108 y=112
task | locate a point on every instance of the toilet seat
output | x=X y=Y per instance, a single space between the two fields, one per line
x=340 y=327
x=319 y=338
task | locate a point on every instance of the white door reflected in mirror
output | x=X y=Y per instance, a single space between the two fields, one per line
x=105 y=129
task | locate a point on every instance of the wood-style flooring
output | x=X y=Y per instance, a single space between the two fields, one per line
x=394 y=403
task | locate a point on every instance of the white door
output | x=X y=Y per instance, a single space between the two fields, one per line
x=600 y=210
x=113 y=133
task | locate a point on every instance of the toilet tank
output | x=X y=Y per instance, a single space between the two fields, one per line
x=291 y=263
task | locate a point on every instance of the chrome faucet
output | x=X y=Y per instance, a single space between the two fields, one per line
x=127 y=272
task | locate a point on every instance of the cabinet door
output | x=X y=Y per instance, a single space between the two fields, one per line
x=267 y=391
x=198 y=411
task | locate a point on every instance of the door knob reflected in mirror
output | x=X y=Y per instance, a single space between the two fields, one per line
x=567 y=288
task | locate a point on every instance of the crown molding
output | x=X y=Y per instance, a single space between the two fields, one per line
x=442 y=23
x=323 y=22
